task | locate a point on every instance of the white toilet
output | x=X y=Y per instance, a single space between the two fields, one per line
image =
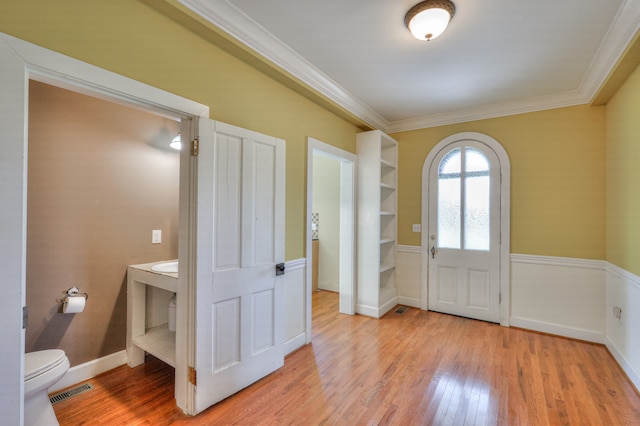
x=42 y=369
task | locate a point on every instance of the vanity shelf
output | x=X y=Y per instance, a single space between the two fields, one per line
x=147 y=328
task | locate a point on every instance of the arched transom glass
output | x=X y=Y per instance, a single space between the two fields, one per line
x=463 y=200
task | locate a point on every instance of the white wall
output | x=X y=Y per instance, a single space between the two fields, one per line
x=408 y=280
x=295 y=305
x=326 y=202
x=559 y=296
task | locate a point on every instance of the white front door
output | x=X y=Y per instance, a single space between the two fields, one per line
x=464 y=231
x=240 y=242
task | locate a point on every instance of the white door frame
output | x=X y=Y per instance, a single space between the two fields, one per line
x=505 y=220
x=20 y=62
x=348 y=172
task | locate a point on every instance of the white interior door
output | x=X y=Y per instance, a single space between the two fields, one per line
x=240 y=242
x=464 y=231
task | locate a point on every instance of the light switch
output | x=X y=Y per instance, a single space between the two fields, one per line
x=156 y=236
x=416 y=227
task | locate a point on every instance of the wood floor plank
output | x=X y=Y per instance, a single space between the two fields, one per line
x=414 y=368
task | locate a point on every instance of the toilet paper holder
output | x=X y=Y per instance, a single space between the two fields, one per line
x=74 y=291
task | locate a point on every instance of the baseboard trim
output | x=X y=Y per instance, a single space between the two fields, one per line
x=631 y=373
x=372 y=311
x=82 y=372
x=559 y=330
x=295 y=343
x=367 y=311
x=384 y=309
x=409 y=301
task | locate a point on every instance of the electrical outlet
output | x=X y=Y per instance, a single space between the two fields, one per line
x=416 y=227
x=617 y=312
x=156 y=236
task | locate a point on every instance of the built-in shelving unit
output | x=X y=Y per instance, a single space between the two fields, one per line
x=377 y=223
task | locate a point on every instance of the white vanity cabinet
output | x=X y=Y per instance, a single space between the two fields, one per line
x=147 y=313
x=377 y=223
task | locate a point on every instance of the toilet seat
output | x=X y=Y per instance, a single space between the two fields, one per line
x=37 y=363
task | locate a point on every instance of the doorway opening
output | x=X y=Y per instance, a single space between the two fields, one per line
x=330 y=224
x=23 y=62
x=102 y=180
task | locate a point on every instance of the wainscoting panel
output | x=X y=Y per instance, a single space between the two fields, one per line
x=562 y=296
x=623 y=335
x=295 y=305
x=408 y=278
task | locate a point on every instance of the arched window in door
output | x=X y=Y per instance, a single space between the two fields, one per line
x=464 y=200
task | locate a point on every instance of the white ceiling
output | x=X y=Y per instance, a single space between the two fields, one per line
x=497 y=57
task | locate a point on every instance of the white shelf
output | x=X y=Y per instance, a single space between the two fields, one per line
x=385 y=163
x=385 y=186
x=160 y=342
x=384 y=267
x=387 y=214
x=387 y=241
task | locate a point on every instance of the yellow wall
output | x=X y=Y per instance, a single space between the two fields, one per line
x=134 y=40
x=623 y=176
x=557 y=178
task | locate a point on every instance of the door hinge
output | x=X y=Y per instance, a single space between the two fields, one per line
x=195 y=147
x=499 y=297
x=25 y=317
x=192 y=376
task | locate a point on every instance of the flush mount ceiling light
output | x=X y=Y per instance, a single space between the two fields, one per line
x=428 y=19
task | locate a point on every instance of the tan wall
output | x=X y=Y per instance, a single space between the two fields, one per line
x=623 y=176
x=96 y=190
x=134 y=40
x=557 y=178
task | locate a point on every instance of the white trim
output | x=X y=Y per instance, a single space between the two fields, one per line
x=348 y=171
x=234 y=22
x=238 y=25
x=505 y=217
x=409 y=249
x=623 y=274
x=409 y=301
x=374 y=311
x=559 y=330
x=296 y=264
x=568 y=262
x=90 y=369
x=632 y=373
x=295 y=343
x=63 y=71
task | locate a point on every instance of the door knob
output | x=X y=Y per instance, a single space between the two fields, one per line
x=433 y=252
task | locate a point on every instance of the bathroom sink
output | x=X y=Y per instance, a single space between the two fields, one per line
x=166 y=267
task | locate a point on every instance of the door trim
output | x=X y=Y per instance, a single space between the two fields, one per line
x=348 y=173
x=505 y=220
x=32 y=62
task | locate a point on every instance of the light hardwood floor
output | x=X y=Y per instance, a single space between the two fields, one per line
x=407 y=369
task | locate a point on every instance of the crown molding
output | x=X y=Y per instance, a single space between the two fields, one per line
x=620 y=35
x=238 y=25
x=484 y=112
